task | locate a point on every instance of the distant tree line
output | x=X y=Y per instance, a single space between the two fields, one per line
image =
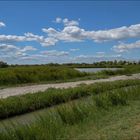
x=114 y=63
x=3 y=64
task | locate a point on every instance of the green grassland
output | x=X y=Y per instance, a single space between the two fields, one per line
x=105 y=111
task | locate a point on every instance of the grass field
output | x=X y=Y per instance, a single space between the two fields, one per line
x=102 y=111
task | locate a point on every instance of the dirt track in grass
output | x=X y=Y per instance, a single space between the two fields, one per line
x=42 y=87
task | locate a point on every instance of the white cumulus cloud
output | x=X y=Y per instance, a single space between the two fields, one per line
x=73 y=33
x=123 y=32
x=123 y=47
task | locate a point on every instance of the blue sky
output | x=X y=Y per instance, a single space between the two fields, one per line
x=59 y=32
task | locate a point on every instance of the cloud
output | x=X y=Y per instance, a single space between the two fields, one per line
x=8 y=50
x=74 y=50
x=96 y=58
x=43 y=59
x=49 y=41
x=100 y=53
x=73 y=33
x=55 y=53
x=2 y=24
x=50 y=31
x=7 y=47
x=12 y=38
x=68 y=34
x=29 y=37
x=58 y=20
x=33 y=37
x=28 y=48
x=82 y=56
x=123 y=32
x=35 y=57
x=123 y=47
x=68 y=22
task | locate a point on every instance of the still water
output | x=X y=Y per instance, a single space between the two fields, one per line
x=96 y=69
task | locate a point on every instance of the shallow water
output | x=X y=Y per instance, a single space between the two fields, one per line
x=96 y=69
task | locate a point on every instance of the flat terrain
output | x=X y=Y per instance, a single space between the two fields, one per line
x=42 y=87
x=111 y=114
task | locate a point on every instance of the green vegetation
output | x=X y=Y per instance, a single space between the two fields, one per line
x=106 y=114
x=3 y=64
x=101 y=64
x=16 y=105
x=36 y=74
x=128 y=70
x=18 y=75
x=108 y=110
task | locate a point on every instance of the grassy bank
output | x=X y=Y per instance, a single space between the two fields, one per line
x=95 y=117
x=20 y=75
x=16 y=105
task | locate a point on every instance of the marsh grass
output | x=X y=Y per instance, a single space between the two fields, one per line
x=22 y=75
x=17 y=105
x=36 y=74
x=53 y=124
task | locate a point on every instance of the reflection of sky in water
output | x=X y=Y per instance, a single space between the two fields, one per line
x=96 y=69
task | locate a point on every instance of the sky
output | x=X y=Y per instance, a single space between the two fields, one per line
x=40 y=32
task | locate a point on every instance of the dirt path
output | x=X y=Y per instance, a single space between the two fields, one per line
x=42 y=87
